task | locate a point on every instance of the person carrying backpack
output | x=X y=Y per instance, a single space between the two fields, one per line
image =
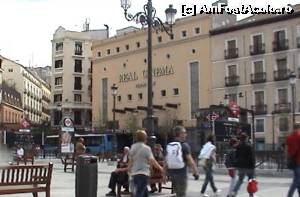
x=178 y=157
x=207 y=157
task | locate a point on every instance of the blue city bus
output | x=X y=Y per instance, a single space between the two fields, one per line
x=95 y=143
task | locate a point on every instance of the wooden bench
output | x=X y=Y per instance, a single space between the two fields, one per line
x=68 y=161
x=156 y=177
x=25 y=179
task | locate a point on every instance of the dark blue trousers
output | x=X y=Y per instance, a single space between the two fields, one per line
x=140 y=183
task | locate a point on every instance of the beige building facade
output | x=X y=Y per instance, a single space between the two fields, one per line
x=71 y=76
x=251 y=64
x=29 y=86
x=181 y=79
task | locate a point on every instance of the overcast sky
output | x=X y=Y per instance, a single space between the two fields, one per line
x=27 y=26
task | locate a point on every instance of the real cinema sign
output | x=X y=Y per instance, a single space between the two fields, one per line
x=156 y=72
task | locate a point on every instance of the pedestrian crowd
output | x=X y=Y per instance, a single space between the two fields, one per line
x=135 y=164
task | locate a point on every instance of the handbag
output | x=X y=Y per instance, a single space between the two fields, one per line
x=252 y=186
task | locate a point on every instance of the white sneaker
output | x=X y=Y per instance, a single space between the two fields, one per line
x=218 y=192
x=204 y=195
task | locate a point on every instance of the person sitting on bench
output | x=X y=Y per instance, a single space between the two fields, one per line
x=159 y=156
x=119 y=176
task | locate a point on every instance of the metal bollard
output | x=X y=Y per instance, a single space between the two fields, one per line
x=86 y=180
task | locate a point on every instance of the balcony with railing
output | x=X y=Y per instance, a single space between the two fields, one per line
x=282 y=107
x=78 y=52
x=259 y=109
x=281 y=45
x=233 y=80
x=231 y=53
x=282 y=74
x=257 y=49
x=259 y=77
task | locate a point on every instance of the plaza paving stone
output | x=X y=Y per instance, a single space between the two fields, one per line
x=63 y=184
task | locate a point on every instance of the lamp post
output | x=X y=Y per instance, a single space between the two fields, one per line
x=148 y=18
x=292 y=79
x=114 y=91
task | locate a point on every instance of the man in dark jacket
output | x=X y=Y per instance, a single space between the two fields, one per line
x=245 y=162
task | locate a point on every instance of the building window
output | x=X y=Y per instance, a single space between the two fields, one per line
x=59 y=46
x=119 y=98
x=10 y=70
x=129 y=96
x=117 y=49
x=232 y=97
x=140 y=96
x=77 y=83
x=197 y=30
x=58 y=81
x=78 y=48
x=232 y=70
x=183 y=33
x=138 y=44
x=159 y=39
x=78 y=66
x=58 y=63
x=108 y=51
x=194 y=88
x=127 y=47
x=163 y=92
x=104 y=100
x=283 y=124
x=282 y=96
x=175 y=91
x=99 y=54
x=57 y=97
x=259 y=98
x=260 y=144
x=77 y=97
x=77 y=117
x=259 y=125
x=281 y=64
x=57 y=117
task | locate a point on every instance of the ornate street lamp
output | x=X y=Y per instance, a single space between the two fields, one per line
x=293 y=79
x=148 y=18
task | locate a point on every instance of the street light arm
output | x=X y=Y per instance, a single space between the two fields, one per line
x=159 y=25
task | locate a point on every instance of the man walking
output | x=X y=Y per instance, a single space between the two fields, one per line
x=208 y=155
x=245 y=162
x=140 y=156
x=293 y=149
x=178 y=157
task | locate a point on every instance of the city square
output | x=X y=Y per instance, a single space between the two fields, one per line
x=100 y=97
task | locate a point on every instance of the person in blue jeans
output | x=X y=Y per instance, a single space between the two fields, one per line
x=140 y=159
